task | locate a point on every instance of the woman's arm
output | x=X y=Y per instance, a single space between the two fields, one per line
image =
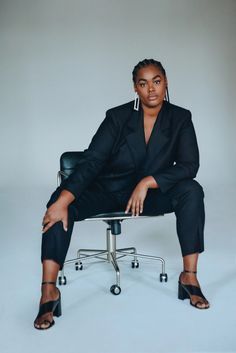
x=95 y=157
x=136 y=201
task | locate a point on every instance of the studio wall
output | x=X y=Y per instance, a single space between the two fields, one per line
x=64 y=63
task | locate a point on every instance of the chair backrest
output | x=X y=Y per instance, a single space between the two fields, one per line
x=69 y=161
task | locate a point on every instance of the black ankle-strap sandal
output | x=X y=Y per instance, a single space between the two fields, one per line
x=53 y=306
x=186 y=290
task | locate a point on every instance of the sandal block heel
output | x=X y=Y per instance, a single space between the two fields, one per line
x=182 y=294
x=57 y=311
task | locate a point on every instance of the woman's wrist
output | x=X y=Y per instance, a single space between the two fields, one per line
x=65 y=198
x=149 y=182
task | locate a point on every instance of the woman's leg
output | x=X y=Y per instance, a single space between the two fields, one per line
x=56 y=241
x=186 y=200
x=55 y=244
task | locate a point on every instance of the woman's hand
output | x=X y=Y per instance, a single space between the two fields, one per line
x=55 y=213
x=136 y=201
x=58 y=211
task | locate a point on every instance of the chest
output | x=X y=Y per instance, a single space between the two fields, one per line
x=148 y=126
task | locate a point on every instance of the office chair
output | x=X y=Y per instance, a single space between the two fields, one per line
x=68 y=162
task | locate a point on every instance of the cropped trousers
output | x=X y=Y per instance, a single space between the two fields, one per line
x=185 y=199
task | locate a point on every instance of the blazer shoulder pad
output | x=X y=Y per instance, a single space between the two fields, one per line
x=179 y=109
x=179 y=112
x=121 y=113
x=121 y=109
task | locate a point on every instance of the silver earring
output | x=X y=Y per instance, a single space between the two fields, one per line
x=136 y=102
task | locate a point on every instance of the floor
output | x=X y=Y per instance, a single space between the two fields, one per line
x=146 y=317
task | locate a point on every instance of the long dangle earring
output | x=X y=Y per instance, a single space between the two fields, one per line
x=136 y=102
x=167 y=97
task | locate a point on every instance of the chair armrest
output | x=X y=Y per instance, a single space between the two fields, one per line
x=59 y=177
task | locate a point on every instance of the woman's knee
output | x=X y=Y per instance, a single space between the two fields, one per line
x=196 y=189
x=191 y=188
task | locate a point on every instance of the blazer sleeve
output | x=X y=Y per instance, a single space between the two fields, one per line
x=94 y=158
x=187 y=158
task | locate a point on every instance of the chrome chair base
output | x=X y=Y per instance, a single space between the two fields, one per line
x=111 y=255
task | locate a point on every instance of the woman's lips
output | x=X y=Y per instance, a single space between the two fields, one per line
x=151 y=98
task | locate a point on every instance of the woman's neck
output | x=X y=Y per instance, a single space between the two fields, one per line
x=153 y=111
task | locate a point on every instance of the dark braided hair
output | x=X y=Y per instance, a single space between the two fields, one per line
x=147 y=62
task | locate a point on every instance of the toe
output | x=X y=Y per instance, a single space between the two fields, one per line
x=202 y=304
x=42 y=325
x=43 y=322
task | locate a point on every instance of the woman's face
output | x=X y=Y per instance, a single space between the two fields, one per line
x=151 y=86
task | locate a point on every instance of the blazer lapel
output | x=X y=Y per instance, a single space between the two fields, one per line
x=159 y=137
x=144 y=156
x=135 y=137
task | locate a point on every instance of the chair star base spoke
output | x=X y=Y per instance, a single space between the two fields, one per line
x=112 y=254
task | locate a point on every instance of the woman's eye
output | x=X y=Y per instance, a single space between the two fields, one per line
x=142 y=84
x=157 y=82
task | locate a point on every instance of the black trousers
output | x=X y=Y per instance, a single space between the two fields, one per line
x=185 y=199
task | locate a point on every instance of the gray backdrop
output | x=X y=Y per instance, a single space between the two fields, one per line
x=63 y=63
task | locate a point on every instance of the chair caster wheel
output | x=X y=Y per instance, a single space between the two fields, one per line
x=135 y=264
x=78 y=266
x=163 y=277
x=62 y=280
x=115 y=289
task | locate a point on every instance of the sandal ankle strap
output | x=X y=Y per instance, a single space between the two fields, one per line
x=48 y=283
x=187 y=271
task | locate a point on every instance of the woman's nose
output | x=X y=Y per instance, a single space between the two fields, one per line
x=150 y=87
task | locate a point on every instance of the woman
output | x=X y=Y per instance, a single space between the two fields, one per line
x=143 y=159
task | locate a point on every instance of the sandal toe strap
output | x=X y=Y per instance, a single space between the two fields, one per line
x=194 y=290
x=46 y=308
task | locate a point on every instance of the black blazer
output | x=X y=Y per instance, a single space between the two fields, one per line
x=118 y=157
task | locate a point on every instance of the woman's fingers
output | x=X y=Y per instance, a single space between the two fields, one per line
x=48 y=221
x=53 y=215
x=47 y=226
x=129 y=204
x=45 y=220
x=136 y=201
x=141 y=207
x=65 y=224
x=135 y=206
